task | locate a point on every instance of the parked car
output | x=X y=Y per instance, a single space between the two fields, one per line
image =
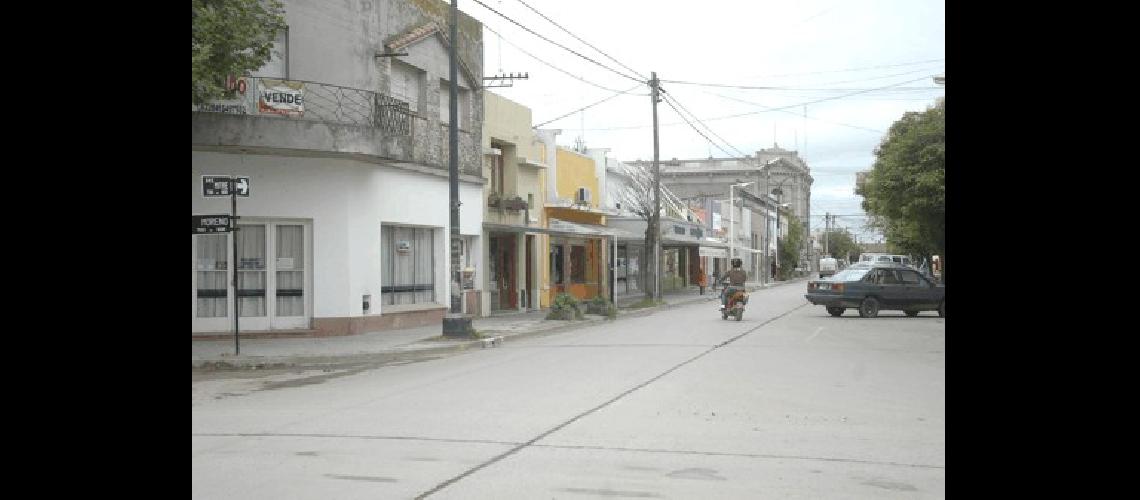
x=878 y=286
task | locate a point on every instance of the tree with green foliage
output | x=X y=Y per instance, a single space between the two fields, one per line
x=230 y=38
x=790 y=246
x=905 y=193
x=840 y=244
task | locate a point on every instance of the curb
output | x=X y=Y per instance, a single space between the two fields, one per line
x=423 y=347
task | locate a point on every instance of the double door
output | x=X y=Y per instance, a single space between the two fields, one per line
x=273 y=278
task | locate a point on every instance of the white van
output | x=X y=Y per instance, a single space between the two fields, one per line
x=886 y=257
x=828 y=266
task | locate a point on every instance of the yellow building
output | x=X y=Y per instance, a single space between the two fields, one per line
x=576 y=235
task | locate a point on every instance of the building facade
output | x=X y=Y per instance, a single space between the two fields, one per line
x=345 y=229
x=513 y=214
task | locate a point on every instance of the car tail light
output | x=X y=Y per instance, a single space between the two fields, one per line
x=837 y=287
x=811 y=286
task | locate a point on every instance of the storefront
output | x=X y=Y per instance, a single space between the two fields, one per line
x=325 y=246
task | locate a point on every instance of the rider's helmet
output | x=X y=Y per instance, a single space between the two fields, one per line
x=737 y=263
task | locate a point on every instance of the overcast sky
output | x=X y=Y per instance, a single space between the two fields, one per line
x=841 y=52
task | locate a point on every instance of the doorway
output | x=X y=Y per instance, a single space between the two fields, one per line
x=273 y=278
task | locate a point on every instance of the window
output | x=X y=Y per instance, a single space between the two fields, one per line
x=278 y=64
x=556 y=264
x=212 y=275
x=582 y=195
x=445 y=103
x=887 y=277
x=577 y=264
x=251 y=270
x=407 y=84
x=407 y=260
x=910 y=278
x=497 y=171
x=290 y=265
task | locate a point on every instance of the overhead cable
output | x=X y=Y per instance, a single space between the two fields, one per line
x=572 y=51
x=556 y=68
x=586 y=107
x=581 y=40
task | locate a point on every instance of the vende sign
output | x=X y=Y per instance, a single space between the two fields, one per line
x=281 y=97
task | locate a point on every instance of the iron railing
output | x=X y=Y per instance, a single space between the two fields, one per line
x=336 y=104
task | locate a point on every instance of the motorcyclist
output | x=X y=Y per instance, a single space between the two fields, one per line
x=736 y=278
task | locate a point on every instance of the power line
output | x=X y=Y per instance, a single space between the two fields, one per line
x=673 y=100
x=738 y=115
x=856 y=69
x=798 y=89
x=670 y=103
x=794 y=113
x=567 y=73
x=586 y=107
x=581 y=40
x=572 y=51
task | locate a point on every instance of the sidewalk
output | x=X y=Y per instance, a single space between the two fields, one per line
x=418 y=341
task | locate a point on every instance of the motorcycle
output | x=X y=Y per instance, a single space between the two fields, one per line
x=736 y=302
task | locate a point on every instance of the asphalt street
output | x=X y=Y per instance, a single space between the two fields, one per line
x=788 y=403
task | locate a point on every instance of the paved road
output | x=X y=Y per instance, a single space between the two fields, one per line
x=789 y=403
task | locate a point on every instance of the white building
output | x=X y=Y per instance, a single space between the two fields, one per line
x=346 y=226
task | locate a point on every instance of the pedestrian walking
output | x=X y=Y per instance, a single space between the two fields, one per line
x=702 y=280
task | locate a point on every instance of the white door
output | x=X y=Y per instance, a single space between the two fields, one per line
x=273 y=274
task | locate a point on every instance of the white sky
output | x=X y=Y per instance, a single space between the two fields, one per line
x=813 y=44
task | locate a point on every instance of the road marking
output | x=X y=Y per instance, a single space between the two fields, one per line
x=817 y=330
x=559 y=427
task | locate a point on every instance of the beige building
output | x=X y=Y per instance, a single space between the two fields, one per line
x=513 y=219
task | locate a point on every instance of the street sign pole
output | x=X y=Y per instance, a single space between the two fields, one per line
x=234 y=264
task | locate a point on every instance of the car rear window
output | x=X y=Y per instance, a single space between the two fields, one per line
x=850 y=274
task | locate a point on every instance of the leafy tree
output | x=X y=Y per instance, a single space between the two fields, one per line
x=840 y=244
x=905 y=193
x=230 y=38
x=790 y=246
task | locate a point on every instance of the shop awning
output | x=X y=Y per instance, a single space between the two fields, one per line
x=559 y=227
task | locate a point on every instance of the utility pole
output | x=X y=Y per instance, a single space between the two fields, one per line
x=654 y=85
x=455 y=323
x=826 y=232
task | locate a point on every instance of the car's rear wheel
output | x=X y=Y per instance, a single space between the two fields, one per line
x=869 y=308
x=911 y=313
x=942 y=309
x=835 y=311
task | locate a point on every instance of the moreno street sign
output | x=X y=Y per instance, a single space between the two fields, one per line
x=204 y=224
x=219 y=185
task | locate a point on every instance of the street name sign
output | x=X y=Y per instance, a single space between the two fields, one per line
x=219 y=185
x=204 y=224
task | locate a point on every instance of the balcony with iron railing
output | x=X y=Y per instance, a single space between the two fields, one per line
x=333 y=120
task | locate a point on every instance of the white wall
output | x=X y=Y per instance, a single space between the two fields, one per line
x=347 y=201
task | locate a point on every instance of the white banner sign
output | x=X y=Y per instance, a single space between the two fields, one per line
x=281 y=97
x=712 y=252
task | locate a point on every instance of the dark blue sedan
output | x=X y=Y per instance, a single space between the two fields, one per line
x=878 y=287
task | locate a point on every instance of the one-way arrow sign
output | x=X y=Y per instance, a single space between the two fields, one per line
x=242 y=186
